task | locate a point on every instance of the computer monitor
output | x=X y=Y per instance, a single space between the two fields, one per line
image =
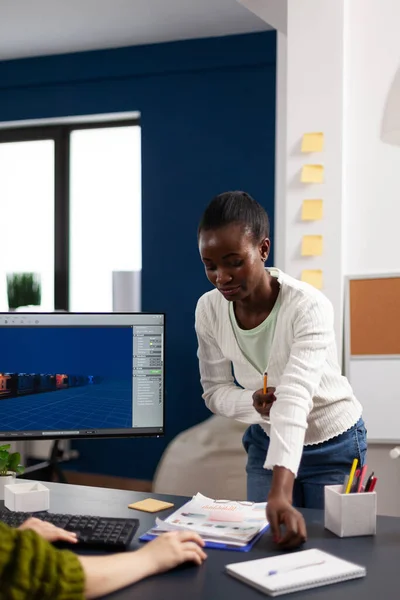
x=70 y=375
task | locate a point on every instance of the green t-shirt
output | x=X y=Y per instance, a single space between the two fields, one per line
x=256 y=343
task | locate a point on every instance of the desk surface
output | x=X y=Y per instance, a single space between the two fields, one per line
x=380 y=554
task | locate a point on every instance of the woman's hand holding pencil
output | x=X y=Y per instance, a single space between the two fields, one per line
x=263 y=399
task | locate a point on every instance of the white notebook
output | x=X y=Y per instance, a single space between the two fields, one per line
x=295 y=572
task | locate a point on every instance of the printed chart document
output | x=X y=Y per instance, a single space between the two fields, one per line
x=295 y=572
x=221 y=523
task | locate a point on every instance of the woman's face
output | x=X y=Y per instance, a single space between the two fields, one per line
x=233 y=262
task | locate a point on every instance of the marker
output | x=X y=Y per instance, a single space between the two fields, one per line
x=373 y=484
x=265 y=383
x=361 y=479
x=351 y=476
x=367 y=485
x=355 y=481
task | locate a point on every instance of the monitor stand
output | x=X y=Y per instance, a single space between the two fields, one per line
x=48 y=470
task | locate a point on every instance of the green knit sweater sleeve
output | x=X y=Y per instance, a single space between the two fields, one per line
x=32 y=569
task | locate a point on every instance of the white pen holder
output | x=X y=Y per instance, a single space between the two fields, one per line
x=26 y=497
x=348 y=515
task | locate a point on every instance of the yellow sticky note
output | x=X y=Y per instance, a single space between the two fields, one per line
x=311 y=210
x=313 y=142
x=313 y=277
x=150 y=505
x=311 y=245
x=312 y=174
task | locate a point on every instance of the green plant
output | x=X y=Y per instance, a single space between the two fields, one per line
x=23 y=290
x=9 y=461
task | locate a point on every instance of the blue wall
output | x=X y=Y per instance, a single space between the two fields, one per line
x=208 y=125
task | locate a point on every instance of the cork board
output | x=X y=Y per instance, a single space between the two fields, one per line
x=374 y=313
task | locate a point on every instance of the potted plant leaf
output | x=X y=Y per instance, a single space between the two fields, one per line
x=9 y=467
x=23 y=289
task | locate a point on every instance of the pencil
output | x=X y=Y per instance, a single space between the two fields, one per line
x=265 y=383
x=351 y=476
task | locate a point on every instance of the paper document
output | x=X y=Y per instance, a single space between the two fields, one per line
x=220 y=521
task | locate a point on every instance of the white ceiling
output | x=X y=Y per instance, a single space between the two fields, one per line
x=40 y=27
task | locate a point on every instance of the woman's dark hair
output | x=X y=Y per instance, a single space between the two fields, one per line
x=236 y=207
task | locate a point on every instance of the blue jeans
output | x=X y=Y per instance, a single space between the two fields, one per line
x=321 y=464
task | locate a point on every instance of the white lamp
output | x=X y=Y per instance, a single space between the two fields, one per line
x=395 y=453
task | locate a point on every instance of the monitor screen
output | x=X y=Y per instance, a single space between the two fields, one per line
x=70 y=375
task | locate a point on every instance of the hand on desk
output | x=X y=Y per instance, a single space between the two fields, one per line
x=281 y=512
x=263 y=402
x=173 y=549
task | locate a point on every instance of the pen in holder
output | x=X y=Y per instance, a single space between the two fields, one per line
x=348 y=515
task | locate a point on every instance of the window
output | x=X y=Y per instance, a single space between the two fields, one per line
x=27 y=209
x=70 y=197
x=105 y=213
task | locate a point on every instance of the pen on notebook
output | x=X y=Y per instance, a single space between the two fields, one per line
x=265 y=383
x=351 y=476
x=288 y=569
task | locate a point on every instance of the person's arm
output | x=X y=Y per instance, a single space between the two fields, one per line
x=221 y=395
x=106 y=574
x=313 y=333
x=32 y=569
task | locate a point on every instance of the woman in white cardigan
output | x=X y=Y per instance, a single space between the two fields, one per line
x=306 y=430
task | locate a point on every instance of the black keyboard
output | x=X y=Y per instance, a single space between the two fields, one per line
x=94 y=533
